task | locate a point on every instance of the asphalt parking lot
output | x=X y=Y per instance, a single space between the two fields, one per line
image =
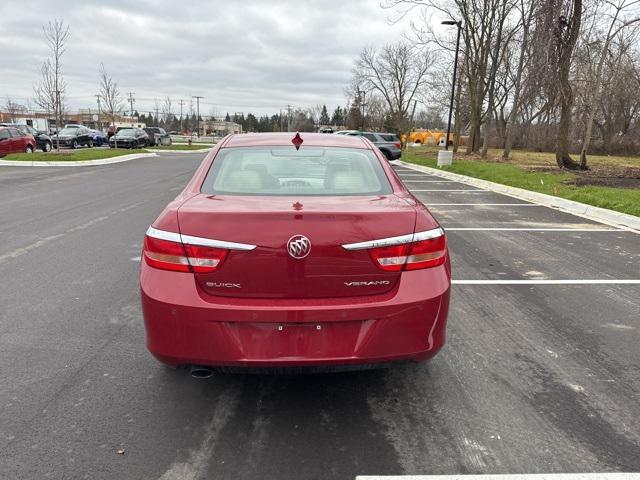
x=541 y=372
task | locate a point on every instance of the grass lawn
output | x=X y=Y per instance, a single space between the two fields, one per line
x=535 y=172
x=181 y=147
x=72 y=155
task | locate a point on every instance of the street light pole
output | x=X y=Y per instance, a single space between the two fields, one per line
x=453 y=83
x=446 y=157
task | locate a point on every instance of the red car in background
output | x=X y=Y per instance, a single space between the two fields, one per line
x=13 y=140
x=298 y=252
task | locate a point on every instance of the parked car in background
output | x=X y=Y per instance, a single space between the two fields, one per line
x=73 y=137
x=43 y=141
x=129 y=138
x=157 y=136
x=13 y=140
x=388 y=143
x=99 y=138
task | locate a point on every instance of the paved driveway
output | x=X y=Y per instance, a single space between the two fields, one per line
x=541 y=372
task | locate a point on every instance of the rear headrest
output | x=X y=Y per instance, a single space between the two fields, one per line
x=348 y=181
x=243 y=180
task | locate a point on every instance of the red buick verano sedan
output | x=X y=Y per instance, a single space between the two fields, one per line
x=290 y=252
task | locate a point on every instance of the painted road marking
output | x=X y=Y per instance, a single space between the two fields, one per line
x=428 y=181
x=536 y=229
x=526 y=476
x=458 y=190
x=484 y=205
x=604 y=281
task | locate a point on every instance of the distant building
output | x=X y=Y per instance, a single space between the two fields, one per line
x=219 y=128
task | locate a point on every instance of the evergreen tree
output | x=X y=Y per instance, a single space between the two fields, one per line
x=338 y=117
x=227 y=118
x=324 y=116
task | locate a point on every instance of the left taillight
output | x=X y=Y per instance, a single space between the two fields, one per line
x=172 y=255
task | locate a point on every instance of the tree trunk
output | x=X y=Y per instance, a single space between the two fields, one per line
x=565 y=53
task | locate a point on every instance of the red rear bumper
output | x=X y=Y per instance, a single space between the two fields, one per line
x=185 y=326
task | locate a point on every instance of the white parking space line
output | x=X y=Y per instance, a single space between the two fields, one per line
x=525 y=476
x=449 y=190
x=604 y=281
x=533 y=229
x=484 y=205
x=428 y=181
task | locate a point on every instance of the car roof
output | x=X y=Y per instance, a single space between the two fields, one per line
x=284 y=139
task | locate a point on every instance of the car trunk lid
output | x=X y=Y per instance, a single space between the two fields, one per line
x=270 y=222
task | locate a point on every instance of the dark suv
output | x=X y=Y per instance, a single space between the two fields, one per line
x=43 y=141
x=157 y=136
x=388 y=143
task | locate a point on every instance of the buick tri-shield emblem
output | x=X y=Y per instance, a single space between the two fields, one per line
x=299 y=246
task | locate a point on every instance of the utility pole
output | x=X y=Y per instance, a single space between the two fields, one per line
x=157 y=114
x=58 y=119
x=181 y=102
x=289 y=107
x=99 y=110
x=197 y=97
x=131 y=102
x=361 y=100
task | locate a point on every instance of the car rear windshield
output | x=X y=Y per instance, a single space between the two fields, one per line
x=387 y=137
x=283 y=171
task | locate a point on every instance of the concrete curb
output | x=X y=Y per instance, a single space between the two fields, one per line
x=602 y=215
x=85 y=163
x=180 y=152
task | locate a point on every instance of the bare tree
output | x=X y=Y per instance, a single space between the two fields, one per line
x=167 y=109
x=52 y=87
x=617 y=24
x=45 y=89
x=565 y=36
x=398 y=73
x=526 y=10
x=110 y=95
x=13 y=109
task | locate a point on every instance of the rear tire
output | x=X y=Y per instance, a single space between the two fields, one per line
x=29 y=149
x=47 y=147
x=90 y=144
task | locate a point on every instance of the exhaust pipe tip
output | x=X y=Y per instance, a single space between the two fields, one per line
x=201 y=372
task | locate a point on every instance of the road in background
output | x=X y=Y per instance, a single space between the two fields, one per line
x=534 y=378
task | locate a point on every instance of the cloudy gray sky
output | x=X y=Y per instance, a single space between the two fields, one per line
x=250 y=55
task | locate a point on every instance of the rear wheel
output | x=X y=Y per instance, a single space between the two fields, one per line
x=47 y=147
x=90 y=144
x=29 y=149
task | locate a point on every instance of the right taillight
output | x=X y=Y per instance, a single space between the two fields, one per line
x=428 y=249
x=427 y=253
